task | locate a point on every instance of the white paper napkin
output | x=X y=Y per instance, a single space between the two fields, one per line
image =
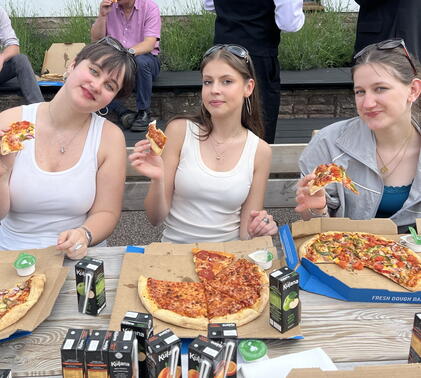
x=280 y=367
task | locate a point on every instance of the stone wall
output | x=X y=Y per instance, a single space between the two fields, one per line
x=295 y=103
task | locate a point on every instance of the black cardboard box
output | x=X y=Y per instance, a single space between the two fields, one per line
x=142 y=325
x=73 y=353
x=415 y=348
x=96 y=353
x=163 y=352
x=226 y=334
x=206 y=358
x=122 y=355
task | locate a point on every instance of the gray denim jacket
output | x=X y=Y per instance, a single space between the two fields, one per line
x=351 y=143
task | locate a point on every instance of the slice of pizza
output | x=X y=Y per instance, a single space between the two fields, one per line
x=224 y=309
x=13 y=138
x=17 y=301
x=179 y=303
x=156 y=137
x=329 y=173
x=390 y=259
x=244 y=281
x=209 y=263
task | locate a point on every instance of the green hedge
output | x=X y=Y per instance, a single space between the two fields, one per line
x=326 y=39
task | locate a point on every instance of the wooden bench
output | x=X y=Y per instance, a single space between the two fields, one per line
x=280 y=190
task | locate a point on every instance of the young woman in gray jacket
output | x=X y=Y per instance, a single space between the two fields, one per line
x=379 y=149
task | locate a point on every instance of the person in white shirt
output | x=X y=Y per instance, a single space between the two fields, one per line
x=256 y=25
x=65 y=188
x=210 y=183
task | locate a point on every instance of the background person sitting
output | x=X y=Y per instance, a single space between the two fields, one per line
x=13 y=64
x=65 y=188
x=137 y=25
x=210 y=183
x=379 y=149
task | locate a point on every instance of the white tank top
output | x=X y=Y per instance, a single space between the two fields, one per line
x=206 y=204
x=43 y=204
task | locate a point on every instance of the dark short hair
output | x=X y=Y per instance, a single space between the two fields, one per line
x=112 y=60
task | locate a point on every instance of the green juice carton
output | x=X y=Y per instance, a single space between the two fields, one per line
x=284 y=299
x=90 y=285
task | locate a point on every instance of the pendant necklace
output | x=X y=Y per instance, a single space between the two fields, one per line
x=385 y=170
x=63 y=147
x=220 y=155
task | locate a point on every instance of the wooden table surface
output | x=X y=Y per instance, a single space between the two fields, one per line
x=351 y=333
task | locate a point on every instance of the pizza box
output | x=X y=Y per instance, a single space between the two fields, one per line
x=385 y=371
x=59 y=56
x=50 y=263
x=329 y=279
x=174 y=262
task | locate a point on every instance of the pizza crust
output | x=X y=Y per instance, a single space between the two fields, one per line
x=168 y=316
x=240 y=318
x=19 y=311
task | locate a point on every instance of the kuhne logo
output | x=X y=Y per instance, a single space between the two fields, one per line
x=164 y=356
x=194 y=357
x=289 y=284
x=120 y=364
x=80 y=272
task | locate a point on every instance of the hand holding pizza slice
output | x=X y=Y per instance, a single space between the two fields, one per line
x=327 y=174
x=18 y=132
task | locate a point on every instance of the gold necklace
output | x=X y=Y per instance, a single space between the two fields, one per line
x=64 y=146
x=385 y=169
x=218 y=155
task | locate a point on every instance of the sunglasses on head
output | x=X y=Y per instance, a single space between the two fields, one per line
x=237 y=50
x=389 y=44
x=113 y=43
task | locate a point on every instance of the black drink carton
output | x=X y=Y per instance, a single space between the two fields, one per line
x=5 y=373
x=226 y=334
x=142 y=325
x=415 y=348
x=206 y=358
x=284 y=299
x=122 y=355
x=73 y=353
x=96 y=354
x=90 y=285
x=163 y=352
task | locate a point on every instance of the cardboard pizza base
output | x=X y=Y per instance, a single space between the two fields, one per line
x=50 y=263
x=174 y=262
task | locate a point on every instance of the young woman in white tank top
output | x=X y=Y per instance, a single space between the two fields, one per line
x=210 y=182
x=65 y=187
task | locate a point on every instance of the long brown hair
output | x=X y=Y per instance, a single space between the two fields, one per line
x=397 y=64
x=251 y=121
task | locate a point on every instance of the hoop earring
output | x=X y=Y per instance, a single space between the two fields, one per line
x=65 y=75
x=103 y=113
x=248 y=105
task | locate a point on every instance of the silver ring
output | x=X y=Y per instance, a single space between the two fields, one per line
x=266 y=220
x=77 y=246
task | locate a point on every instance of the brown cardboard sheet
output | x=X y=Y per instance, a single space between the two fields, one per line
x=173 y=262
x=59 y=56
x=366 y=278
x=385 y=371
x=50 y=263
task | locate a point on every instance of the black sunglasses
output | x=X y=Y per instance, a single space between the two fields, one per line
x=389 y=44
x=114 y=43
x=237 y=50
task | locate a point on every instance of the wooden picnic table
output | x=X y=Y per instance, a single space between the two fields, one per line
x=351 y=333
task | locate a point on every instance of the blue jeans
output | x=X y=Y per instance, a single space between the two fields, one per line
x=20 y=67
x=148 y=68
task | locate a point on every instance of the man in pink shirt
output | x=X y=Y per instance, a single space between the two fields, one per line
x=137 y=25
